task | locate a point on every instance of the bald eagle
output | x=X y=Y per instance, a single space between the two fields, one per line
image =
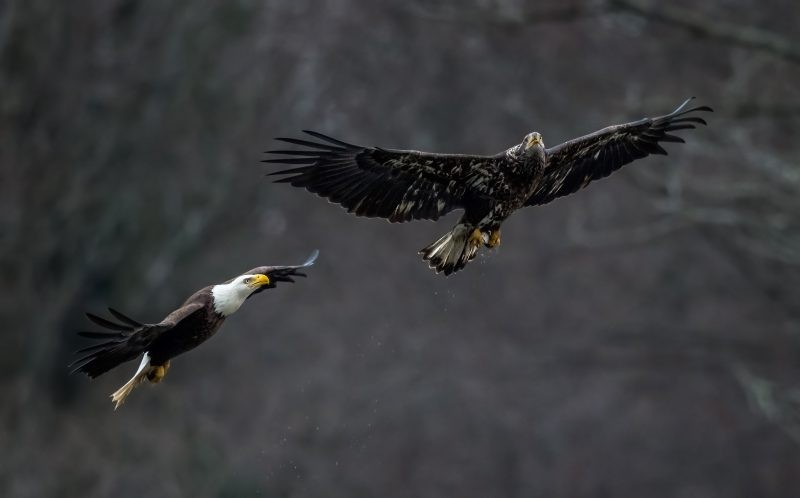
x=404 y=185
x=198 y=318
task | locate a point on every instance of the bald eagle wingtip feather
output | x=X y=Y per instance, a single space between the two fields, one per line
x=683 y=105
x=312 y=258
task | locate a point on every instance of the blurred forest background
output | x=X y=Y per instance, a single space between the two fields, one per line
x=641 y=338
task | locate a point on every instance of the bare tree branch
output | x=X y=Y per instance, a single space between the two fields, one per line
x=743 y=36
x=525 y=17
x=778 y=405
x=581 y=235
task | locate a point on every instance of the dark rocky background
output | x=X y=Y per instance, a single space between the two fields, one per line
x=637 y=339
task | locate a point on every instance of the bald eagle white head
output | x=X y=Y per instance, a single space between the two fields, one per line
x=230 y=296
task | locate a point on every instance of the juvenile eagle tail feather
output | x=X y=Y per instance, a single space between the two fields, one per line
x=452 y=251
x=118 y=397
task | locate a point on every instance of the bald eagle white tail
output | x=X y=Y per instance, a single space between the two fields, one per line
x=454 y=249
x=144 y=371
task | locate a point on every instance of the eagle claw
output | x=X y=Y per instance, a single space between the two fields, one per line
x=475 y=238
x=494 y=239
x=158 y=372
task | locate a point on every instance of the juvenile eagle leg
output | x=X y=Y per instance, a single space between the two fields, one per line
x=494 y=238
x=475 y=238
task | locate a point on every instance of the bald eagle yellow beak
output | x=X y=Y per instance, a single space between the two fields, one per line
x=533 y=140
x=259 y=280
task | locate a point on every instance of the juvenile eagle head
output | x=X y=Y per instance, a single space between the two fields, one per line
x=230 y=296
x=532 y=142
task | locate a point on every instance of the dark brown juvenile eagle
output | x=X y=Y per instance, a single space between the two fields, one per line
x=403 y=185
x=198 y=318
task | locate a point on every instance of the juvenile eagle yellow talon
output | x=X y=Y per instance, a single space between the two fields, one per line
x=494 y=239
x=475 y=238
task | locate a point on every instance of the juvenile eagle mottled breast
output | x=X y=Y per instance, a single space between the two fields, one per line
x=404 y=185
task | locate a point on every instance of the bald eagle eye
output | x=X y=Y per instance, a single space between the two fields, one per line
x=248 y=280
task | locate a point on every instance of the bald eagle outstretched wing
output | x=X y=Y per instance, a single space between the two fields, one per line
x=399 y=185
x=281 y=273
x=127 y=340
x=573 y=164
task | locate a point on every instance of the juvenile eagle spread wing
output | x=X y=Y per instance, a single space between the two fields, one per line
x=399 y=185
x=404 y=185
x=573 y=164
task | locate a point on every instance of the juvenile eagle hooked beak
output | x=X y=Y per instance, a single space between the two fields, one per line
x=532 y=140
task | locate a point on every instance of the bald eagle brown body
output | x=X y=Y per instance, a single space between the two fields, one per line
x=404 y=185
x=193 y=323
x=199 y=326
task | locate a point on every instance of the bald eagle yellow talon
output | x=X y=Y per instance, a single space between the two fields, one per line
x=157 y=373
x=494 y=238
